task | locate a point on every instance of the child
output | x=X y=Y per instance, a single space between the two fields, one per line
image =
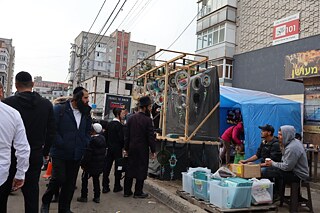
x=92 y=163
x=239 y=153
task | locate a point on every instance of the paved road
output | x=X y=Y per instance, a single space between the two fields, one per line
x=110 y=202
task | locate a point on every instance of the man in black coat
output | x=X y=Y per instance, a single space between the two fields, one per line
x=115 y=144
x=139 y=138
x=73 y=126
x=38 y=119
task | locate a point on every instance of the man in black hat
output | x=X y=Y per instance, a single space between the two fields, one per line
x=38 y=119
x=139 y=140
x=269 y=147
x=73 y=125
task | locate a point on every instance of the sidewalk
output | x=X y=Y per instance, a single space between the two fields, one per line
x=165 y=191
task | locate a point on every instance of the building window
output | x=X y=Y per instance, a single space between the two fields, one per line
x=106 y=87
x=99 y=73
x=211 y=37
x=128 y=87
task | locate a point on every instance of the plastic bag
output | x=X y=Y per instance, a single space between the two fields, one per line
x=223 y=172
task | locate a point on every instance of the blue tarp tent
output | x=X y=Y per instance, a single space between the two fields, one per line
x=257 y=109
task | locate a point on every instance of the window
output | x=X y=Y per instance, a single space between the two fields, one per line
x=128 y=87
x=106 y=87
x=99 y=73
x=211 y=37
x=98 y=54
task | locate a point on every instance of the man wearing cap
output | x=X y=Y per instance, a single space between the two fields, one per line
x=38 y=119
x=269 y=147
x=139 y=140
x=73 y=126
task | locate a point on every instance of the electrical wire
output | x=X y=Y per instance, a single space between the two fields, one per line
x=98 y=34
x=128 y=14
x=96 y=18
x=180 y=34
x=135 y=18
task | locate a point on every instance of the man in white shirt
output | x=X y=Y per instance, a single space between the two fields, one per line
x=12 y=134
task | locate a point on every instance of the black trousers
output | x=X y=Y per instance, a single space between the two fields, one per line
x=84 y=186
x=64 y=175
x=31 y=183
x=5 y=189
x=128 y=185
x=110 y=158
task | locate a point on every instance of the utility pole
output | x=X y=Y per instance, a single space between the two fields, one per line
x=79 y=73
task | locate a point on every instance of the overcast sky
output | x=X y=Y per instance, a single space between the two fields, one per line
x=42 y=30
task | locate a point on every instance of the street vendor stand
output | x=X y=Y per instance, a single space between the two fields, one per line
x=188 y=94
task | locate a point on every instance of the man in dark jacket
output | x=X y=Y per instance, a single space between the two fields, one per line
x=115 y=145
x=269 y=147
x=92 y=164
x=38 y=119
x=73 y=125
x=139 y=138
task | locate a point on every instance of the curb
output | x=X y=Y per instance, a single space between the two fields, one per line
x=170 y=199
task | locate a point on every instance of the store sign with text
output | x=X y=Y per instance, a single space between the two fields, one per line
x=302 y=65
x=286 y=29
x=115 y=101
x=311 y=120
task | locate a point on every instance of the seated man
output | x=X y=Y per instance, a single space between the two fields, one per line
x=294 y=165
x=269 y=148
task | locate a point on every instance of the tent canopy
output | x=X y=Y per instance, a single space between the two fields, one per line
x=257 y=109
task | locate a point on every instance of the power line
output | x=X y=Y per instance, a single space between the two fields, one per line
x=128 y=13
x=97 y=35
x=181 y=33
x=139 y=13
x=95 y=18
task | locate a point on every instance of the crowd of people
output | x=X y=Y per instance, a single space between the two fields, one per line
x=32 y=129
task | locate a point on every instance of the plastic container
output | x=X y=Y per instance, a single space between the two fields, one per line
x=262 y=193
x=201 y=189
x=230 y=197
x=187 y=183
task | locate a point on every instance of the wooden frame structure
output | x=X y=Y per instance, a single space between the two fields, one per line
x=169 y=67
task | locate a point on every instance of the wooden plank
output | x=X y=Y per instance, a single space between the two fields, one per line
x=212 y=208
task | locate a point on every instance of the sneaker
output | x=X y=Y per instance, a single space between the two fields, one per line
x=96 y=200
x=117 y=189
x=82 y=199
x=105 y=190
x=143 y=195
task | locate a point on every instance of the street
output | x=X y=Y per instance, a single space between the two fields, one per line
x=110 y=202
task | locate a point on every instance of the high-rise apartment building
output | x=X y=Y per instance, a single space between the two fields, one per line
x=108 y=56
x=7 y=55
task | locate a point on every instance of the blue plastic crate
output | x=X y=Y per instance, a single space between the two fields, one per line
x=230 y=197
x=200 y=189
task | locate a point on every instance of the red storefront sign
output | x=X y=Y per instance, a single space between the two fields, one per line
x=286 y=29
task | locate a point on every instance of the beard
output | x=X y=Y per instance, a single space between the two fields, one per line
x=83 y=108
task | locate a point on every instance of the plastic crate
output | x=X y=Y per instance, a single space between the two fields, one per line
x=201 y=189
x=187 y=183
x=230 y=197
x=262 y=193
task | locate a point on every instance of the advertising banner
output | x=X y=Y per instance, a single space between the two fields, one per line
x=286 y=29
x=115 y=101
x=311 y=119
x=302 y=65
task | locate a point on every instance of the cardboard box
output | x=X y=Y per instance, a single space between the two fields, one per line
x=246 y=170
